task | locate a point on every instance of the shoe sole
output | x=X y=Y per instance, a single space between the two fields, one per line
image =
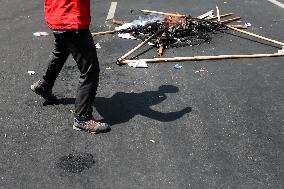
x=43 y=96
x=78 y=129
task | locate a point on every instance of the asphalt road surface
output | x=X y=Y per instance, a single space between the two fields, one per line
x=220 y=128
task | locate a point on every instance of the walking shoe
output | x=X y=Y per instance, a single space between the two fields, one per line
x=43 y=89
x=91 y=125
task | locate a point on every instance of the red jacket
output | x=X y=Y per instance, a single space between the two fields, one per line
x=67 y=14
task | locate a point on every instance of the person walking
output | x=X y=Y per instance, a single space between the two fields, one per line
x=70 y=21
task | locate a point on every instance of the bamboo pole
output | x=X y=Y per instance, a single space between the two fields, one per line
x=104 y=33
x=200 y=58
x=205 y=15
x=257 y=36
x=138 y=47
x=221 y=16
x=163 y=13
x=118 y=22
x=239 y=26
x=230 y=20
x=218 y=14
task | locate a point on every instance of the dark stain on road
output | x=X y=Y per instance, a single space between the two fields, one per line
x=76 y=163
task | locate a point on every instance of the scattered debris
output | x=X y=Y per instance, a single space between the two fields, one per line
x=208 y=14
x=177 y=31
x=138 y=64
x=126 y=36
x=152 y=141
x=98 y=46
x=168 y=30
x=117 y=22
x=108 y=68
x=38 y=34
x=201 y=70
x=247 y=24
x=281 y=51
x=177 y=66
x=31 y=72
x=218 y=14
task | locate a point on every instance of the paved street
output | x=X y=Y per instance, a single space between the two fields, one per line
x=171 y=128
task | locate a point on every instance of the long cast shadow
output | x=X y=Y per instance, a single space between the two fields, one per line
x=122 y=107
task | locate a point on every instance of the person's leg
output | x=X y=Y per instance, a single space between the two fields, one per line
x=57 y=59
x=83 y=50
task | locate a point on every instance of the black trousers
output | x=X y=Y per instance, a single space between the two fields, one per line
x=81 y=46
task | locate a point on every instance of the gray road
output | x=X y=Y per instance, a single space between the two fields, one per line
x=170 y=128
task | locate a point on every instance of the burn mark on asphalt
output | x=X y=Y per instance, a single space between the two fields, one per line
x=76 y=163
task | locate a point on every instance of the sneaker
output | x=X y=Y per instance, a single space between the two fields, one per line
x=43 y=89
x=91 y=125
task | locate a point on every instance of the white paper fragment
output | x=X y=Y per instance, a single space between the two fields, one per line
x=124 y=26
x=126 y=36
x=247 y=24
x=38 y=34
x=177 y=66
x=151 y=44
x=31 y=72
x=138 y=64
x=98 y=46
x=207 y=14
x=281 y=51
x=108 y=68
x=201 y=70
x=152 y=141
x=141 y=22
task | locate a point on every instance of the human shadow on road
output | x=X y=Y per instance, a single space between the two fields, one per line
x=122 y=107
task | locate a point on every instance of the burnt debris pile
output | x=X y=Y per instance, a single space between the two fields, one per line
x=176 y=31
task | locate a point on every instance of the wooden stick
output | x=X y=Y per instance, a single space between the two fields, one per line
x=118 y=22
x=138 y=47
x=230 y=20
x=205 y=15
x=218 y=14
x=161 y=49
x=239 y=26
x=257 y=36
x=163 y=13
x=221 y=16
x=200 y=58
x=103 y=33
